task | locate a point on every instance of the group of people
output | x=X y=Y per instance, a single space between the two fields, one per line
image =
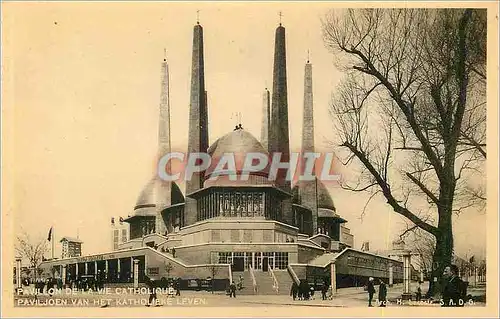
x=454 y=293
x=231 y=290
x=153 y=284
x=304 y=291
x=42 y=285
x=382 y=292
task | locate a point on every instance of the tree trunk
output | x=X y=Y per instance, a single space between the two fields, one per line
x=442 y=255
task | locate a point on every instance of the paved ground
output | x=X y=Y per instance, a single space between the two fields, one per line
x=347 y=297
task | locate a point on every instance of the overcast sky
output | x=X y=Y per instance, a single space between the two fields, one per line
x=82 y=119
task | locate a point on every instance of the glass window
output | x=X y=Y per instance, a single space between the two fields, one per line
x=225 y=257
x=250 y=204
x=226 y=205
x=243 y=204
x=281 y=260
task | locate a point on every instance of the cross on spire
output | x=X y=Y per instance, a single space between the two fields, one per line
x=197 y=16
x=164 y=54
x=281 y=15
x=307 y=55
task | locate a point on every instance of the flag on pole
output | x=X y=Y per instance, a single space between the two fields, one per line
x=49 y=237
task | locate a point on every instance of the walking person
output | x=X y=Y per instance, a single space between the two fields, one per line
x=382 y=294
x=419 y=292
x=324 y=290
x=294 y=290
x=232 y=290
x=177 y=286
x=152 y=290
x=371 y=291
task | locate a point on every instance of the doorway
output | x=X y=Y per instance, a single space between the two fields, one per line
x=265 y=263
x=238 y=264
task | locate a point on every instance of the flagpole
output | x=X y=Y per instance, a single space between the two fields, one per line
x=53 y=240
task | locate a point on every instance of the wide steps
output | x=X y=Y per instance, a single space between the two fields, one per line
x=285 y=281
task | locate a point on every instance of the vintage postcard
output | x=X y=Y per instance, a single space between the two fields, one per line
x=229 y=159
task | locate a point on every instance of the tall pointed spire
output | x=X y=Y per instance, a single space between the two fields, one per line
x=308 y=189
x=198 y=121
x=163 y=191
x=308 y=116
x=266 y=119
x=278 y=132
x=279 y=138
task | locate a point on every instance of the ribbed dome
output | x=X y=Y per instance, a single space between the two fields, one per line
x=147 y=197
x=237 y=143
x=324 y=198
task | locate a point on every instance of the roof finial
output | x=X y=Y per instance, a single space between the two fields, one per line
x=164 y=55
x=197 y=16
x=281 y=15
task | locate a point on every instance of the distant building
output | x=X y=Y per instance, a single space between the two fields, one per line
x=119 y=233
x=365 y=246
x=71 y=247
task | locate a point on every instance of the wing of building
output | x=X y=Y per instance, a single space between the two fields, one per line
x=224 y=228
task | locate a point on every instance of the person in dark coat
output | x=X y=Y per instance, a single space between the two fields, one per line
x=304 y=290
x=232 y=290
x=294 y=290
x=152 y=290
x=177 y=286
x=382 y=294
x=324 y=290
x=419 y=292
x=371 y=291
x=453 y=291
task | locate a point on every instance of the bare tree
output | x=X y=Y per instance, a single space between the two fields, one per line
x=410 y=112
x=168 y=268
x=214 y=270
x=32 y=251
x=423 y=244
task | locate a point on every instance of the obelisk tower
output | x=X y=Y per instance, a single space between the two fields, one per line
x=163 y=188
x=308 y=189
x=198 y=122
x=266 y=119
x=278 y=132
x=278 y=137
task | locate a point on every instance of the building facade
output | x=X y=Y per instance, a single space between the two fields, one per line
x=71 y=247
x=119 y=233
x=229 y=226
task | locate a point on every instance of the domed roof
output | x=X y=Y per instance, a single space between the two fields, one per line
x=147 y=197
x=295 y=195
x=324 y=198
x=237 y=143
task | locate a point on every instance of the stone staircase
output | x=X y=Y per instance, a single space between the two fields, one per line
x=285 y=281
x=264 y=283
